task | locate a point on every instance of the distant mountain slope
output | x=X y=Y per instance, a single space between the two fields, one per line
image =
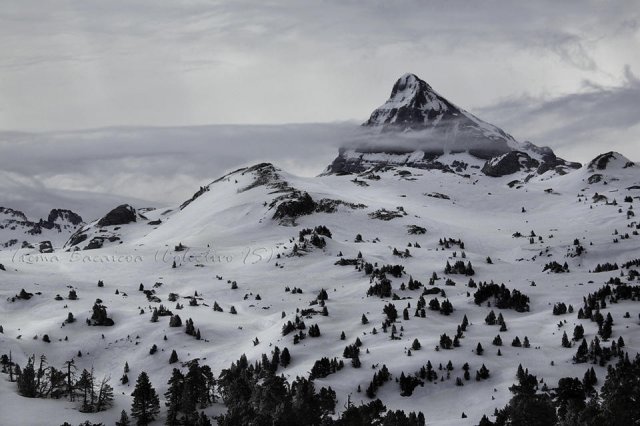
x=18 y=231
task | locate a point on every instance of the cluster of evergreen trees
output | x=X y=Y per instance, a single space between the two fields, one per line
x=448 y=242
x=445 y=308
x=408 y=383
x=393 y=270
x=381 y=288
x=379 y=379
x=324 y=367
x=413 y=284
x=374 y=413
x=45 y=381
x=459 y=268
x=555 y=267
x=503 y=297
x=630 y=263
x=561 y=309
x=314 y=331
x=99 y=315
x=188 y=392
x=605 y=267
x=575 y=402
x=297 y=324
x=254 y=394
x=597 y=354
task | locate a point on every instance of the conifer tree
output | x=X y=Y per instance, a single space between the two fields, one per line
x=104 y=399
x=124 y=419
x=173 y=397
x=285 y=357
x=146 y=405
x=578 y=332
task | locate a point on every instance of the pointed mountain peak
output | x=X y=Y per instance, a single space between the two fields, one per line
x=409 y=84
x=413 y=104
x=417 y=126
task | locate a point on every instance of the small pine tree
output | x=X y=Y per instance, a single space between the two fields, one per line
x=174 y=357
x=285 y=358
x=578 y=332
x=365 y=320
x=124 y=419
x=479 y=349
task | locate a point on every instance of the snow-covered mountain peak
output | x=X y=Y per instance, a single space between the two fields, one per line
x=413 y=104
x=409 y=88
x=610 y=161
x=417 y=126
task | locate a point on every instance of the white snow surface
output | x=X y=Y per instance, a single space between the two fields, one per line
x=230 y=232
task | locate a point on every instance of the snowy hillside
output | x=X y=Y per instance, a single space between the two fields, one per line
x=259 y=248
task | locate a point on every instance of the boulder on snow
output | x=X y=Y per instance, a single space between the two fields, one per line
x=121 y=215
x=298 y=206
x=45 y=247
x=509 y=163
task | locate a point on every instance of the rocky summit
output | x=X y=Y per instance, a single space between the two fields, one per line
x=428 y=128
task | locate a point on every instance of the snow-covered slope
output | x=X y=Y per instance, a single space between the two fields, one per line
x=247 y=240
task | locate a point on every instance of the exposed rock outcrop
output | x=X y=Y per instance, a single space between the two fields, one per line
x=121 y=215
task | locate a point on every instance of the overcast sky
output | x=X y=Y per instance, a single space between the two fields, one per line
x=558 y=73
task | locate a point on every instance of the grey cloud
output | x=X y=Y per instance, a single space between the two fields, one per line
x=581 y=124
x=153 y=166
x=181 y=63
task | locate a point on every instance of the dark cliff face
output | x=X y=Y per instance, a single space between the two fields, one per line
x=509 y=163
x=64 y=215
